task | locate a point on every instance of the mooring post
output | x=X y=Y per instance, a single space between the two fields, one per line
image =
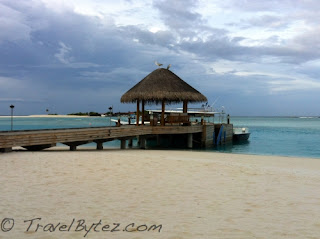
x=123 y=143
x=190 y=141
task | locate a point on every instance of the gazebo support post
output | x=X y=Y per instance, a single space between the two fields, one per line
x=185 y=106
x=162 y=113
x=137 y=116
x=142 y=112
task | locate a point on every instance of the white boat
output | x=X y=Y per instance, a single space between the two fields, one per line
x=241 y=134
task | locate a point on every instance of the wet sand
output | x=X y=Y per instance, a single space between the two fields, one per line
x=187 y=194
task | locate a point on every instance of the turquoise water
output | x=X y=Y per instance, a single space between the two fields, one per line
x=269 y=135
x=279 y=136
x=26 y=123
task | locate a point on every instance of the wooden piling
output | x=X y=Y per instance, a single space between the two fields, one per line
x=123 y=144
x=99 y=145
x=142 y=142
x=130 y=143
x=190 y=145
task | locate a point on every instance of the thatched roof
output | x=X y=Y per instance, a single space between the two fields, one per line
x=162 y=84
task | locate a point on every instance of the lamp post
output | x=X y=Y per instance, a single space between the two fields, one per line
x=11 y=106
x=110 y=110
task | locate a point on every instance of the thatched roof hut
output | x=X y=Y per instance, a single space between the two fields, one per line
x=162 y=85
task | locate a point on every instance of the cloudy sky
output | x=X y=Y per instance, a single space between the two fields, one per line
x=254 y=57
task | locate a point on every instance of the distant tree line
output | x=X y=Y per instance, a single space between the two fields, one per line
x=107 y=113
x=86 y=114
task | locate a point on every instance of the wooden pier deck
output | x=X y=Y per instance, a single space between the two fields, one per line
x=41 y=139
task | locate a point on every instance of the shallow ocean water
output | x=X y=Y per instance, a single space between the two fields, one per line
x=278 y=136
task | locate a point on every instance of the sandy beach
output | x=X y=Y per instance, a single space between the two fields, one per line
x=157 y=194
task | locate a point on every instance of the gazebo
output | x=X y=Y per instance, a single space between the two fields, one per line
x=162 y=85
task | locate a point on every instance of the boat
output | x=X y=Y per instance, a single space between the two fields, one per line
x=241 y=134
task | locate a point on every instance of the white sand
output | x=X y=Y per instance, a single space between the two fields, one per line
x=194 y=195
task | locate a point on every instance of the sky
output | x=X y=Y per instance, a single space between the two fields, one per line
x=252 y=57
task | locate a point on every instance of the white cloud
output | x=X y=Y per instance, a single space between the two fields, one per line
x=63 y=53
x=11 y=100
x=294 y=85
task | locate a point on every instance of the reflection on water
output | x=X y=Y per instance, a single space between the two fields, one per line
x=235 y=147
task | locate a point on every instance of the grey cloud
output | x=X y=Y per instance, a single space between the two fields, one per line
x=213 y=43
x=58 y=57
x=178 y=14
x=265 y=21
x=161 y=38
x=261 y=5
x=12 y=25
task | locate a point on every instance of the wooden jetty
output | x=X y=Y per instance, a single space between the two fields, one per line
x=161 y=85
x=73 y=137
